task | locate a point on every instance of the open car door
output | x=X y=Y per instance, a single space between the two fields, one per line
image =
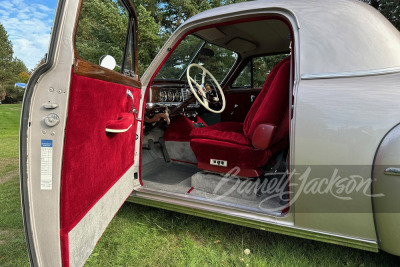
x=79 y=138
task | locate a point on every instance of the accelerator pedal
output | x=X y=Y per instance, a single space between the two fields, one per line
x=164 y=150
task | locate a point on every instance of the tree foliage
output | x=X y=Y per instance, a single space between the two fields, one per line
x=23 y=77
x=40 y=63
x=169 y=15
x=10 y=68
x=389 y=8
x=103 y=26
x=101 y=30
x=158 y=19
x=180 y=58
x=150 y=41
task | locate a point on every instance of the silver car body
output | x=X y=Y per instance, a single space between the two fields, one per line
x=346 y=86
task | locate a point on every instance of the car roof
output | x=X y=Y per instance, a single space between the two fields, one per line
x=334 y=36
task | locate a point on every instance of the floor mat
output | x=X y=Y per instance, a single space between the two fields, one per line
x=181 y=178
x=171 y=173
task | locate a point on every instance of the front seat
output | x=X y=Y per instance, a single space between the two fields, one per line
x=249 y=145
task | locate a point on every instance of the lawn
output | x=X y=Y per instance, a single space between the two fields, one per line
x=144 y=236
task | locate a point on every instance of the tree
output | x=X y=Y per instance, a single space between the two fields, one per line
x=2 y=94
x=40 y=63
x=13 y=94
x=6 y=55
x=10 y=68
x=23 y=77
x=158 y=19
x=171 y=14
x=150 y=41
x=101 y=30
x=390 y=9
x=102 y=27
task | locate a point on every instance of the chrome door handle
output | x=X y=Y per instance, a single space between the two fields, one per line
x=129 y=94
x=392 y=171
x=252 y=98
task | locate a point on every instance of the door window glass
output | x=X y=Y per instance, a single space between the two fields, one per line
x=106 y=28
x=244 y=78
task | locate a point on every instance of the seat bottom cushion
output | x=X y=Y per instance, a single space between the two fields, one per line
x=250 y=160
x=234 y=154
x=230 y=132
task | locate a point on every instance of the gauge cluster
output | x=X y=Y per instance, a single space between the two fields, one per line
x=171 y=95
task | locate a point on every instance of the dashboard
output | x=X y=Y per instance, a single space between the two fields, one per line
x=170 y=95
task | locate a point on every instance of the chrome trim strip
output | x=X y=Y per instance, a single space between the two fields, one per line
x=168 y=104
x=229 y=208
x=392 y=171
x=146 y=197
x=361 y=73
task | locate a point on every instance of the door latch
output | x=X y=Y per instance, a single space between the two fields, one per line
x=52 y=120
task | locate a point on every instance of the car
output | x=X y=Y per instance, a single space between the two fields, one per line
x=281 y=116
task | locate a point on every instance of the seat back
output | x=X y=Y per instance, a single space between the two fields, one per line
x=273 y=100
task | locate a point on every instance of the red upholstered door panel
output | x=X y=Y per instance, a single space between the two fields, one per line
x=238 y=104
x=93 y=161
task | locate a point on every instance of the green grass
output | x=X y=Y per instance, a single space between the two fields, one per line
x=9 y=126
x=145 y=236
x=12 y=239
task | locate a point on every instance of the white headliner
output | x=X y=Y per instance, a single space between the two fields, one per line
x=245 y=38
x=334 y=35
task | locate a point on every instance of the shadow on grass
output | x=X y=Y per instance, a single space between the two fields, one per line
x=146 y=236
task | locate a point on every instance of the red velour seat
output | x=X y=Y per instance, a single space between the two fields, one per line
x=231 y=143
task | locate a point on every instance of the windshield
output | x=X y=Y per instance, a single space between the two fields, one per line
x=192 y=49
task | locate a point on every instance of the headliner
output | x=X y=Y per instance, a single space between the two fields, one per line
x=250 y=38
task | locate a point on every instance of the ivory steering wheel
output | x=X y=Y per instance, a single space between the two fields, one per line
x=203 y=91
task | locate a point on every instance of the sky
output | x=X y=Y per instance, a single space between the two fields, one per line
x=28 y=24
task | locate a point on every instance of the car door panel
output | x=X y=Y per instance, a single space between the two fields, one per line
x=238 y=103
x=103 y=158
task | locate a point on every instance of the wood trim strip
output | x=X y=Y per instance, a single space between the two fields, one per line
x=91 y=70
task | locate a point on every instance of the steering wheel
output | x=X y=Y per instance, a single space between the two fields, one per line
x=204 y=90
